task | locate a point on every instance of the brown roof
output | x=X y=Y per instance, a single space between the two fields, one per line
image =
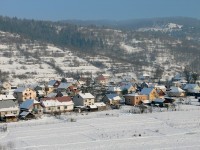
x=101 y=77
x=60 y=99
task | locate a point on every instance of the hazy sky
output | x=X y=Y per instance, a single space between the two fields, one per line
x=98 y=9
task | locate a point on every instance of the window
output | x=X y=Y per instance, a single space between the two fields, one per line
x=49 y=108
x=65 y=107
x=58 y=107
x=78 y=96
x=86 y=100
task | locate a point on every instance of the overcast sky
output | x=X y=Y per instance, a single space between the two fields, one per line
x=98 y=9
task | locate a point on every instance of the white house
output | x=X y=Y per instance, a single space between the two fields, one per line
x=84 y=99
x=57 y=104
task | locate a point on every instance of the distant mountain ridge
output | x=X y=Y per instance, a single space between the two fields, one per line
x=143 y=45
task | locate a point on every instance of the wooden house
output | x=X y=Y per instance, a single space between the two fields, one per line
x=134 y=99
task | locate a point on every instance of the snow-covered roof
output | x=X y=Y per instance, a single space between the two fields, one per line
x=64 y=85
x=113 y=97
x=7 y=97
x=132 y=94
x=52 y=82
x=57 y=101
x=24 y=113
x=28 y=103
x=176 y=89
x=51 y=95
x=126 y=86
x=93 y=106
x=86 y=95
x=146 y=91
x=8 y=105
x=159 y=100
x=191 y=86
x=99 y=104
x=19 y=90
x=40 y=92
x=114 y=89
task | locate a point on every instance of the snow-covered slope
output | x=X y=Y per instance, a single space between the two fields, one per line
x=108 y=130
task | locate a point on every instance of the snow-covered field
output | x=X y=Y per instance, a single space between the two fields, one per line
x=113 y=129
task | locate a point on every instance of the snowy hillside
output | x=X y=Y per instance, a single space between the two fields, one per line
x=165 y=28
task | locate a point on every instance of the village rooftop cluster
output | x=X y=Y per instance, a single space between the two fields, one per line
x=59 y=96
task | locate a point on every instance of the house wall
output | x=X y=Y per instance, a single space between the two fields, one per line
x=106 y=100
x=78 y=101
x=134 y=100
x=88 y=102
x=58 y=108
x=3 y=113
x=37 y=109
x=27 y=94
x=153 y=95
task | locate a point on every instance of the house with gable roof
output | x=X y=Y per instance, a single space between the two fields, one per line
x=150 y=92
x=5 y=86
x=57 y=104
x=63 y=87
x=9 y=110
x=129 y=87
x=112 y=99
x=192 y=88
x=31 y=106
x=175 y=92
x=114 y=89
x=54 y=83
x=84 y=99
x=134 y=99
x=22 y=94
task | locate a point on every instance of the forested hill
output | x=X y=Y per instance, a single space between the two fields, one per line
x=62 y=34
x=146 y=44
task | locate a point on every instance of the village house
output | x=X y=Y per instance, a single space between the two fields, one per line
x=5 y=86
x=175 y=92
x=53 y=83
x=7 y=97
x=84 y=99
x=191 y=88
x=150 y=92
x=134 y=99
x=129 y=87
x=103 y=79
x=63 y=87
x=72 y=90
x=114 y=89
x=112 y=99
x=9 y=110
x=22 y=94
x=31 y=107
x=57 y=104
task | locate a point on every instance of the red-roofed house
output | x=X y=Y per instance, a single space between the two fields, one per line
x=72 y=90
x=57 y=104
x=101 y=80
